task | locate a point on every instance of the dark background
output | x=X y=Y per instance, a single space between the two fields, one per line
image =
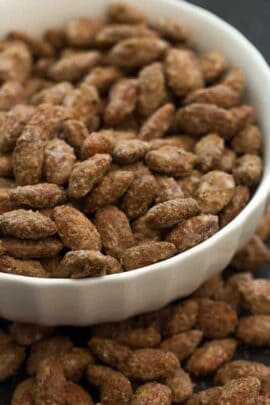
x=252 y=18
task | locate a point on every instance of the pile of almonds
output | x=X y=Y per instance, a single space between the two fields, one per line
x=160 y=358
x=120 y=146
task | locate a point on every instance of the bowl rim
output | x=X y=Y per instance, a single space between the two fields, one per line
x=260 y=194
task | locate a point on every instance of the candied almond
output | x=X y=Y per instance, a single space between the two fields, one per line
x=59 y=161
x=74 y=133
x=12 y=125
x=205 y=397
x=172 y=30
x=11 y=93
x=81 y=32
x=180 y=384
x=74 y=66
x=242 y=116
x=149 y=364
x=152 y=90
x=124 y=13
x=219 y=95
x=28 y=157
x=115 y=231
x=76 y=395
x=238 y=202
x=84 y=105
x=122 y=101
x=182 y=318
x=186 y=142
x=43 y=195
x=211 y=356
x=49 y=347
x=183 y=71
x=109 y=351
x=25 y=249
x=47 y=119
x=182 y=345
x=212 y=65
x=111 y=34
x=239 y=369
x=26 y=224
x=216 y=319
x=50 y=383
x=256 y=296
x=158 y=123
x=137 y=52
x=30 y=268
x=214 y=191
x=115 y=388
x=190 y=182
x=85 y=263
x=248 y=140
x=239 y=391
x=76 y=231
x=103 y=77
x=231 y=292
x=11 y=359
x=202 y=118
x=142 y=232
x=209 y=150
x=38 y=47
x=98 y=142
x=23 y=393
x=75 y=363
x=171 y=161
x=111 y=188
x=193 y=231
x=235 y=79
x=254 y=330
x=152 y=393
x=26 y=334
x=139 y=196
x=52 y=95
x=16 y=61
x=146 y=253
x=169 y=213
x=226 y=161
x=129 y=151
x=168 y=189
x=135 y=337
x=248 y=170
x=86 y=174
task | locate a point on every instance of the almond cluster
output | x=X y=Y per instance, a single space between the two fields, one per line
x=120 y=146
x=160 y=358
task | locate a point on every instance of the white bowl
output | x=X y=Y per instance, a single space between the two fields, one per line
x=115 y=297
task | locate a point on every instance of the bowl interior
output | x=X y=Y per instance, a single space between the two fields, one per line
x=209 y=32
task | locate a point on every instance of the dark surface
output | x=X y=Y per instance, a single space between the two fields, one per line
x=252 y=18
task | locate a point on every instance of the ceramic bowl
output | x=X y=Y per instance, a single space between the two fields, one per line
x=115 y=297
